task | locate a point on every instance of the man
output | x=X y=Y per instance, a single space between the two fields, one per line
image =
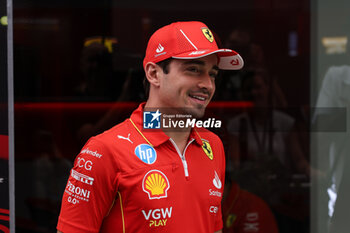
x=332 y=138
x=130 y=179
x=245 y=212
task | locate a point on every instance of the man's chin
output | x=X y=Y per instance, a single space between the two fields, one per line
x=197 y=113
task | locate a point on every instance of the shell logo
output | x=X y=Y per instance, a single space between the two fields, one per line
x=155 y=184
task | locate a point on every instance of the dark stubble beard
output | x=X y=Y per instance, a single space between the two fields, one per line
x=196 y=112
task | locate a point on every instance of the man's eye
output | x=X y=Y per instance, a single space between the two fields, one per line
x=214 y=74
x=193 y=69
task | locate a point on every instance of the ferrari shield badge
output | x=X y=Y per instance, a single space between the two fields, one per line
x=207 y=149
x=207 y=33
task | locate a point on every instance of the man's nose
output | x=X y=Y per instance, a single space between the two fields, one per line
x=207 y=82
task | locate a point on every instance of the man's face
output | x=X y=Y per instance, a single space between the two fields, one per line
x=189 y=85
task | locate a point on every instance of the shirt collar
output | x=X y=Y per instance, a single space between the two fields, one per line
x=157 y=137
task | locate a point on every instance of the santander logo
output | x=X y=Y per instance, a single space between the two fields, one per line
x=160 y=48
x=216 y=181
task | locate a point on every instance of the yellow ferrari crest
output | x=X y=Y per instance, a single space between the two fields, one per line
x=230 y=220
x=207 y=149
x=207 y=33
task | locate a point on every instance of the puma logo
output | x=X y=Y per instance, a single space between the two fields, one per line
x=128 y=138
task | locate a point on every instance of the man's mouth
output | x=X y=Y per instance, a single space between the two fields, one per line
x=201 y=98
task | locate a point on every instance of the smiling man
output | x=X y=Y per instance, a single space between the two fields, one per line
x=157 y=180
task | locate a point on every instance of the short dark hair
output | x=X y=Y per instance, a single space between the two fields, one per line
x=165 y=66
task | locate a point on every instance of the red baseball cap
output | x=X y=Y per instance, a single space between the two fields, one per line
x=189 y=40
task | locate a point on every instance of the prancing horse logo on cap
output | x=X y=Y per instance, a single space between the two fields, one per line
x=207 y=33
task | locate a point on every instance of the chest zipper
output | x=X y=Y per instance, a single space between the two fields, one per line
x=182 y=156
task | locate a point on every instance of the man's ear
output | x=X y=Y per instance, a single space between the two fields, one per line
x=153 y=73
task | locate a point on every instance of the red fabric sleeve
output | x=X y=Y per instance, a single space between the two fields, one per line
x=90 y=191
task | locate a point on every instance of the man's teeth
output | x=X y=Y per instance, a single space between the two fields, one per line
x=198 y=97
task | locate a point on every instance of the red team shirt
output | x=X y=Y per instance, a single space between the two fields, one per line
x=244 y=212
x=121 y=183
